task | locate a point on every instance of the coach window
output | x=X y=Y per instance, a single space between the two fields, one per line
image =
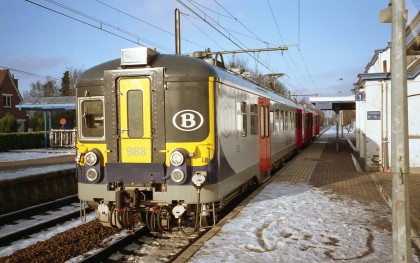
x=92 y=113
x=254 y=119
x=135 y=113
x=271 y=120
x=241 y=123
x=277 y=120
x=281 y=120
x=292 y=121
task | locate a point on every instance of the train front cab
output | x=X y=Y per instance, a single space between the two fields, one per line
x=133 y=149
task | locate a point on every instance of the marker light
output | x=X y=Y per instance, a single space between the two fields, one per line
x=91 y=158
x=177 y=175
x=177 y=158
x=92 y=175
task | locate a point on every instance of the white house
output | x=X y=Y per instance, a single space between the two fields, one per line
x=373 y=105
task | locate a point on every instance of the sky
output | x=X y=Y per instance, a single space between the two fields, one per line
x=329 y=42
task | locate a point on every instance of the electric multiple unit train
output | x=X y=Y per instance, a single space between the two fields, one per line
x=175 y=138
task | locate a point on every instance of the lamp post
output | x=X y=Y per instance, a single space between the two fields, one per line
x=341 y=117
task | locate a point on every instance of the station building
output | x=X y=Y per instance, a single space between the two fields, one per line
x=373 y=106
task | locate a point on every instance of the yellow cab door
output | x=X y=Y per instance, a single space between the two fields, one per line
x=134 y=120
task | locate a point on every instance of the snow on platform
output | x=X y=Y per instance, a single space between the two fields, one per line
x=300 y=223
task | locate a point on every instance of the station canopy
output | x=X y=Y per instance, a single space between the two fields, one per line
x=48 y=104
x=334 y=103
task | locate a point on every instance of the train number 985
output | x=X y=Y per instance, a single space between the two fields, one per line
x=136 y=151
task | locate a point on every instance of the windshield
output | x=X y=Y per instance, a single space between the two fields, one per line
x=91 y=118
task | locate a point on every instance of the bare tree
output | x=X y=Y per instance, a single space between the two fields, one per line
x=259 y=78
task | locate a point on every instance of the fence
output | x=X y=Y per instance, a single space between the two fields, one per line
x=62 y=138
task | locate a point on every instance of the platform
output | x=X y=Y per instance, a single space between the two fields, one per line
x=319 y=165
x=25 y=183
x=65 y=159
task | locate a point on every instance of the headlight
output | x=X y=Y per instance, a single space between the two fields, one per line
x=91 y=158
x=177 y=175
x=176 y=158
x=92 y=175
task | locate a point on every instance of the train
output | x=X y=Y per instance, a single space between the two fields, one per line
x=169 y=140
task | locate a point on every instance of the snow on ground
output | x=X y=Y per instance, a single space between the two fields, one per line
x=19 y=155
x=299 y=223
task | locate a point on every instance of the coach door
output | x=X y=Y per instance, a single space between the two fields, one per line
x=299 y=132
x=134 y=120
x=264 y=134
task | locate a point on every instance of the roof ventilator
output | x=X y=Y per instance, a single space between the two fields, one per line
x=139 y=56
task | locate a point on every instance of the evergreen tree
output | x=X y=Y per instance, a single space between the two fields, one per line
x=65 y=84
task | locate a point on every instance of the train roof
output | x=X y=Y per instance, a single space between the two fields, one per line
x=181 y=68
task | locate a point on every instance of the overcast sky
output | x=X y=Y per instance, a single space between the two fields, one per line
x=328 y=40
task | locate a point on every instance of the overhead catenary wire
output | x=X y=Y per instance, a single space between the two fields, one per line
x=299 y=46
x=241 y=34
x=212 y=25
x=215 y=12
x=147 y=23
x=207 y=35
x=282 y=40
x=108 y=24
x=256 y=37
x=236 y=19
x=219 y=31
x=100 y=26
x=31 y=74
x=249 y=30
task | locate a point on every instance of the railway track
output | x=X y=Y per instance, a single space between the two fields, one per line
x=38 y=227
x=106 y=252
x=20 y=224
x=132 y=245
x=34 y=210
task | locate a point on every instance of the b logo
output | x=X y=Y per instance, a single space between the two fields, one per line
x=188 y=120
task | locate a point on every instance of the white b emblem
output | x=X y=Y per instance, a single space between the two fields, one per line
x=188 y=120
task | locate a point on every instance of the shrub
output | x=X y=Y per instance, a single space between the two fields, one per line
x=21 y=141
x=8 y=124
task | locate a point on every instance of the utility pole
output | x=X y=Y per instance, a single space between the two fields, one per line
x=177 y=32
x=401 y=237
